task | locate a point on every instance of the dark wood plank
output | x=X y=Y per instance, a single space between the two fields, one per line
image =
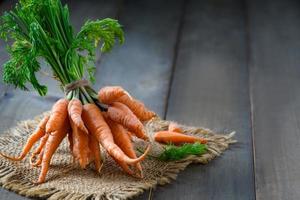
x=210 y=88
x=275 y=81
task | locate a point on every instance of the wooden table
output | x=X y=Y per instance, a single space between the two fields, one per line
x=222 y=64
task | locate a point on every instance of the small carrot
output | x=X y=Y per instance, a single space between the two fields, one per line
x=123 y=140
x=40 y=147
x=137 y=107
x=39 y=133
x=81 y=148
x=110 y=94
x=55 y=138
x=75 y=110
x=121 y=114
x=58 y=115
x=176 y=138
x=96 y=152
x=97 y=126
x=38 y=161
x=174 y=127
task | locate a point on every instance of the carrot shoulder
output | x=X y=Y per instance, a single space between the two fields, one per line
x=75 y=111
x=110 y=94
x=98 y=127
x=176 y=138
x=58 y=115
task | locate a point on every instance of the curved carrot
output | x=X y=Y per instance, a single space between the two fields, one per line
x=40 y=147
x=123 y=140
x=176 y=138
x=33 y=138
x=75 y=110
x=98 y=127
x=38 y=161
x=121 y=114
x=95 y=150
x=110 y=94
x=174 y=127
x=58 y=115
x=55 y=138
x=81 y=148
x=137 y=107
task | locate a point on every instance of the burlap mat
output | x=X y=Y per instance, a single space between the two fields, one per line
x=66 y=181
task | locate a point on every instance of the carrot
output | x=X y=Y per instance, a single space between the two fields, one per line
x=121 y=114
x=95 y=151
x=98 y=127
x=39 y=132
x=174 y=127
x=123 y=140
x=38 y=161
x=81 y=148
x=75 y=110
x=40 y=147
x=176 y=138
x=137 y=107
x=55 y=138
x=58 y=114
x=110 y=94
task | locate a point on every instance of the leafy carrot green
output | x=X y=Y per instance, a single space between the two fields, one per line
x=172 y=152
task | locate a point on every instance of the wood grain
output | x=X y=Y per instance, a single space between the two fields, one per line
x=210 y=88
x=275 y=81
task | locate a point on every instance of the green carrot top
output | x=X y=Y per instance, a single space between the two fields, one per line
x=42 y=29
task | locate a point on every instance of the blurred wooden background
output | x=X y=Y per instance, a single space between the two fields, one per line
x=222 y=64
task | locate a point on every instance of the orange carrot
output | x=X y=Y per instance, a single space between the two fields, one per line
x=58 y=115
x=55 y=138
x=110 y=94
x=123 y=140
x=174 y=127
x=121 y=114
x=137 y=107
x=95 y=152
x=38 y=161
x=40 y=147
x=98 y=127
x=75 y=110
x=176 y=138
x=39 y=132
x=81 y=148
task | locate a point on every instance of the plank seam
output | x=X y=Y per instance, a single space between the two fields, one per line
x=175 y=55
x=250 y=89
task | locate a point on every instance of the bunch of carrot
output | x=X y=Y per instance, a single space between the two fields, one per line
x=88 y=130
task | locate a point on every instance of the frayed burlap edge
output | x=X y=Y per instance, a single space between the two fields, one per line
x=9 y=179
